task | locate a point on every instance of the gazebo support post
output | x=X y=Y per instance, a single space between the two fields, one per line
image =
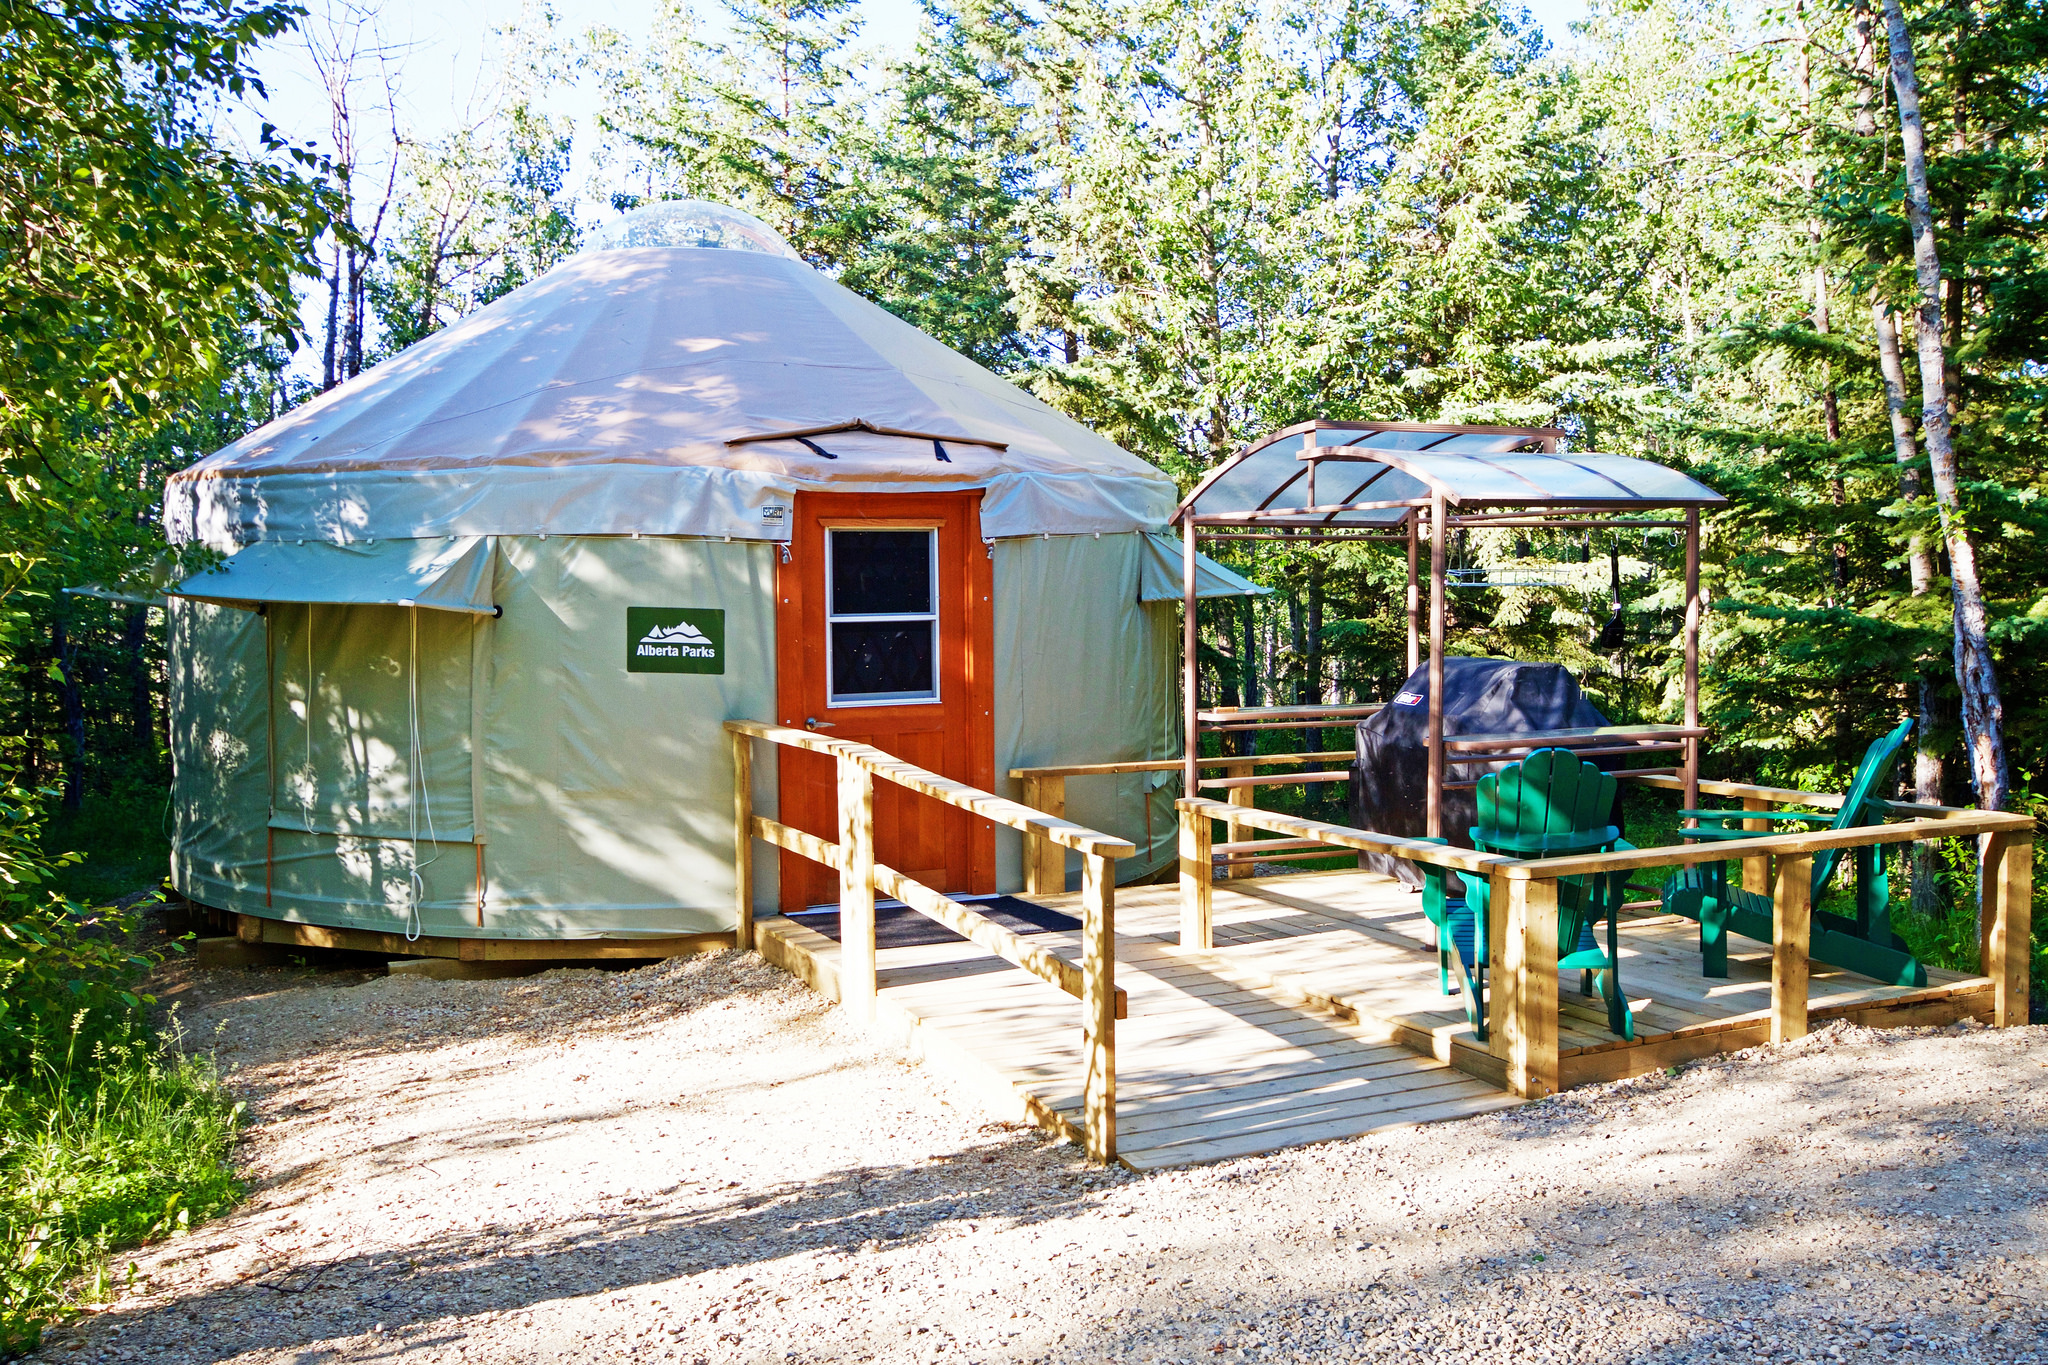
x=1436 y=666
x=1190 y=729
x=1692 y=658
x=1414 y=603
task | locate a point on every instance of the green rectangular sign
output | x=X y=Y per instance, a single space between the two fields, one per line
x=675 y=640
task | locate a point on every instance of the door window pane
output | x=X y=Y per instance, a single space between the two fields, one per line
x=884 y=660
x=877 y=573
x=882 y=616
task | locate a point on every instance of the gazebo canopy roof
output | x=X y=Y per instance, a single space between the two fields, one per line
x=1375 y=474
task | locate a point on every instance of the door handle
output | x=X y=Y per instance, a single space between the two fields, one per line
x=813 y=723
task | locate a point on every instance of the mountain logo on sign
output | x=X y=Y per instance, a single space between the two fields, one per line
x=679 y=641
x=682 y=632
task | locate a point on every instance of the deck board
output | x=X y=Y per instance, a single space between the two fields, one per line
x=1316 y=1015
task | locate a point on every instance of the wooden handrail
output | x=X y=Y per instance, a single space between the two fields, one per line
x=1093 y=982
x=987 y=805
x=978 y=928
x=1303 y=713
x=1275 y=780
x=1959 y=825
x=1174 y=765
x=1343 y=836
x=1520 y=1000
x=1669 y=780
x=1575 y=738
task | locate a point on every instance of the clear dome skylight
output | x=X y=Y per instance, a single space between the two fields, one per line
x=689 y=223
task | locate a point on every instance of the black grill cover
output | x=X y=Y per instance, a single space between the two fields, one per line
x=1390 y=776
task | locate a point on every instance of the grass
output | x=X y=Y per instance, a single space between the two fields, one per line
x=98 y=1154
x=110 y=1135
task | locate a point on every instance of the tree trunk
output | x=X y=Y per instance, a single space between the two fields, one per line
x=141 y=708
x=1983 y=710
x=330 y=351
x=73 y=702
x=1927 y=753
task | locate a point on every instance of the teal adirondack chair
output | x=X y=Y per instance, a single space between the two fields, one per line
x=1864 y=943
x=1553 y=802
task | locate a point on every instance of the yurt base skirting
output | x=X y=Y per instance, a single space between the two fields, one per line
x=255 y=929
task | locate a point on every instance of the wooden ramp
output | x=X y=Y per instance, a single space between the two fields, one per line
x=1317 y=1015
x=1211 y=1063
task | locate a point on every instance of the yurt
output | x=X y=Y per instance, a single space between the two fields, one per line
x=462 y=668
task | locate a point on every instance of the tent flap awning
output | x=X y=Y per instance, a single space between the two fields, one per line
x=447 y=573
x=1159 y=580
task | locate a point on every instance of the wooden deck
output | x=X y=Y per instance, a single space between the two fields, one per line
x=1316 y=1016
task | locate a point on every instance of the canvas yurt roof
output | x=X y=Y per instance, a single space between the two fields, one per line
x=686 y=374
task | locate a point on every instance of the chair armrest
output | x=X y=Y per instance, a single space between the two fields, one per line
x=1433 y=897
x=1754 y=815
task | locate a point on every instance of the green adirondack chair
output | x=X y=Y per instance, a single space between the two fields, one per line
x=1551 y=803
x=1863 y=943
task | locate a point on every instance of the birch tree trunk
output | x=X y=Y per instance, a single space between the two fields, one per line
x=1983 y=711
x=1927 y=759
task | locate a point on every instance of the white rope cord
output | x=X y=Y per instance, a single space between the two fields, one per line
x=417 y=800
x=308 y=781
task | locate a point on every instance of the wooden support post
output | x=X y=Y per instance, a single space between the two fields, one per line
x=1045 y=862
x=1791 y=935
x=1531 y=967
x=2008 y=896
x=1500 y=985
x=1435 y=804
x=1098 y=1004
x=1693 y=611
x=743 y=841
x=1234 y=831
x=1414 y=602
x=1189 y=677
x=1756 y=872
x=1197 y=880
x=857 y=889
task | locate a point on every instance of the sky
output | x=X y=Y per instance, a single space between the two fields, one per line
x=444 y=50
x=443 y=54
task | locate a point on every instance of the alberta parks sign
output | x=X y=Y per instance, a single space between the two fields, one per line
x=675 y=640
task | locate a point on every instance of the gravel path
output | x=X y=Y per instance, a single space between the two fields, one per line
x=701 y=1162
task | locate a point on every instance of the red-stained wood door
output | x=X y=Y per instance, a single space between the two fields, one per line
x=884 y=636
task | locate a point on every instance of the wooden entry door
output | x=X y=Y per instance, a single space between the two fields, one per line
x=884 y=636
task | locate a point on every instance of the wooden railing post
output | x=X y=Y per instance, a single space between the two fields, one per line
x=1197 y=879
x=1045 y=862
x=1791 y=936
x=743 y=840
x=1500 y=983
x=1756 y=872
x=1098 y=1004
x=856 y=889
x=1531 y=967
x=2007 y=890
x=1235 y=832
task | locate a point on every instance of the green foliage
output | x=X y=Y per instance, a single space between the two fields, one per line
x=68 y=976
x=106 y=1137
x=98 y=1152
x=126 y=229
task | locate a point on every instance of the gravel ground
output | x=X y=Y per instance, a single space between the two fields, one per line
x=701 y=1162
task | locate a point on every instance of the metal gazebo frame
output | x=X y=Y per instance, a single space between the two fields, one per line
x=1407 y=481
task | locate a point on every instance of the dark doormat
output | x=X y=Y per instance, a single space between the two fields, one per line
x=899 y=926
